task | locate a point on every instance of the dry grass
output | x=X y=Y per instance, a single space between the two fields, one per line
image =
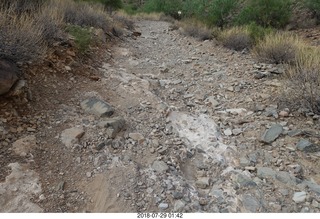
x=236 y=38
x=195 y=29
x=149 y=16
x=21 y=39
x=84 y=14
x=303 y=81
x=51 y=18
x=278 y=48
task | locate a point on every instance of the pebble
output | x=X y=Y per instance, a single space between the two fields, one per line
x=88 y=174
x=227 y=132
x=203 y=182
x=299 y=197
x=163 y=206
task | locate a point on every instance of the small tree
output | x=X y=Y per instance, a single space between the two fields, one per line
x=219 y=11
x=266 y=13
x=314 y=6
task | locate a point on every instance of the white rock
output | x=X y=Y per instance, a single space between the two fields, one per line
x=299 y=197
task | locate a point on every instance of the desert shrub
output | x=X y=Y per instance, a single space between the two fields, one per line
x=22 y=6
x=193 y=8
x=20 y=37
x=314 y=6
x=266 y=13
x=303 y=79
x=257 y=32
x=50 y=18
x=219 y=11
x=82 y=37
x=124 y=20
x=236 y=38
x=278 y=48
x=196 y=29
x=85 y=15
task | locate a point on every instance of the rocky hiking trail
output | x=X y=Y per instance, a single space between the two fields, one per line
x=173 y=125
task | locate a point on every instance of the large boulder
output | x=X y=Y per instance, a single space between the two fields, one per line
x=8 y=75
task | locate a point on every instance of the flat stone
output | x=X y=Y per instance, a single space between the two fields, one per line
x=272 y=134
x=302 y=144
x=312 y=186
x=160 y=166
x=177 y=195
x=263 y=172
x=244 y=162
x=178 y=206
x=24 y=145
x=71 y=136
x=236 y=132
x=203 y=182
x=211 y=101
x=299 y=197
x=227 y=132
x=137 y=137
x=307 y=146
x=286 y=178
x=244 y=181
x=163 y=206
x=97 y=107
x=115 y=125
x=237 y=111
x=250 y=203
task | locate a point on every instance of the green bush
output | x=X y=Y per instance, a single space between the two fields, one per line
x=219 y=11
x=82 y=37
x=193 y=8
x=314 y=5
x=266 y=13
x=257 y=32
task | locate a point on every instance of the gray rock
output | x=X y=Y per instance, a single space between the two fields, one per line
x=284 y=192
x=9 y=72
x=217 y=194
x=303 y=143
x=113 y=125
x=272 y=134
x=160 y=166
x=307 y=146
x=227 y=132
x=163 y=206
x=263 y=172
x=312 y=186
x=244 y=181
x=178 y=206
x=24 y=145
x=299 y=197
x=212 y=101
x=177 y=195
x=286 y=178
x=236 y=131
x=97 y=107
x=271 y=111
x=251 y=204
x=137 y=137
x=71 y=136
x=244 y=162
x=203 y=182
x=294 y=133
